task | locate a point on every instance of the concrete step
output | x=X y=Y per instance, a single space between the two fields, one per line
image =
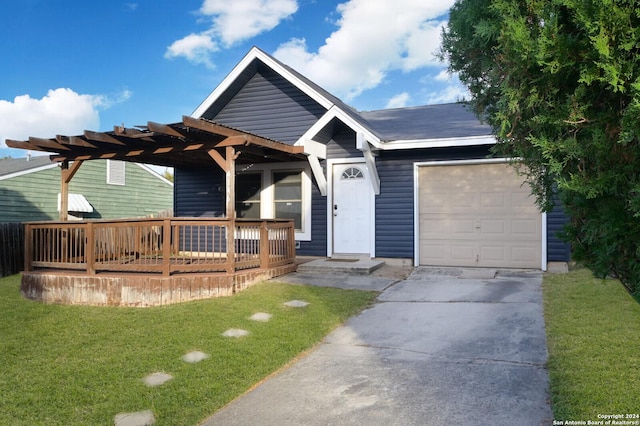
x=341 y=265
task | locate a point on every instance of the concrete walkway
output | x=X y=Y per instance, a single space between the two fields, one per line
x=444 y=346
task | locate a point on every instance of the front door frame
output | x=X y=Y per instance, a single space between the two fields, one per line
x=372 y=224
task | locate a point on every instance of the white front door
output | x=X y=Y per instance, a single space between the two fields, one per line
x=351 y=209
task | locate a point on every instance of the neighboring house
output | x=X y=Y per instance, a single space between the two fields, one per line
x=101 y=189
x=411 y=183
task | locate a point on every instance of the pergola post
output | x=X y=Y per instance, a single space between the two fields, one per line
x=64 y=191
x=66 y=174
x=230 y=175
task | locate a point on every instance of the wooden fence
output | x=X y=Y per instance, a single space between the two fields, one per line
x=11 y=248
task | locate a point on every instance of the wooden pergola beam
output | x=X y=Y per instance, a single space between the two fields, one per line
x=47 y=144
x=208 y=126
x=74 y=141
x=133 y=134
x=23 y=145
x=101 y=137
x=164 y=129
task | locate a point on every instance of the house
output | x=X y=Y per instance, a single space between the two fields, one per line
x=414 y=183
x=102 y=189
x=271 y=166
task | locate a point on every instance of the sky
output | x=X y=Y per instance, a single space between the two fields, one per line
x=71 y=65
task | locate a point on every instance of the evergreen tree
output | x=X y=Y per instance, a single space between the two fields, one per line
x=559 y=82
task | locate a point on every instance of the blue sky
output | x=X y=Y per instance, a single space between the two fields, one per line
x=70 y=65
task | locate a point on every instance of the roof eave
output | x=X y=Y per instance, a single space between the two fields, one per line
x=438 y=143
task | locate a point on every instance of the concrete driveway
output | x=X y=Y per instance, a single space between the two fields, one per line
x=444 y=346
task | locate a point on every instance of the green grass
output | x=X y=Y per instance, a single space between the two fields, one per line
x=593 y=333
x=76 y=365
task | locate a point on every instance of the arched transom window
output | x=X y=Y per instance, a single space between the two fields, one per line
x=352 y=173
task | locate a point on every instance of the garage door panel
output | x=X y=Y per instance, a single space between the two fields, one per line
x=525 y=227
x=493 y=253
x=523 y=254
x=493 y=200
x=462 y=202
x=477 y=215
x=493 y=227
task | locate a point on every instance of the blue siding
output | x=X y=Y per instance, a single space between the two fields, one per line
x=318 y=244
x=343 y=144
x=394 y=205
x=197 y=192
x=270 y=106
x=557 y=249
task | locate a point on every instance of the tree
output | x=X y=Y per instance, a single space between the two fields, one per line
x=559 y=82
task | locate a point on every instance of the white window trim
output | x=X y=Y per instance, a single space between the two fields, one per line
x=416 y=207
x=267 y=194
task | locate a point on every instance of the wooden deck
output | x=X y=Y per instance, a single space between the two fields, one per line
x=151 y=262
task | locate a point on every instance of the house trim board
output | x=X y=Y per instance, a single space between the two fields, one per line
x=416 y=207
x=372 y=232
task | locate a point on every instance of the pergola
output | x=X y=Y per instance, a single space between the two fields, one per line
x=192 y=142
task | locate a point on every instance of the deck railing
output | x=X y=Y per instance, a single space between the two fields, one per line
x=163 y=246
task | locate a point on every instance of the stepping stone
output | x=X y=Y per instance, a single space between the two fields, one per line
x=296 y=303
x=260 y=316
x=139 y=418
x=195 y=356
x=235 y=332
x=157 y=379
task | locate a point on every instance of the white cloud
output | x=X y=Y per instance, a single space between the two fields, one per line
x=443 y=76
x=399 y=100
x=373 y=38
x=234 y=21
x=61 y=111
x=453 y=92
x=195 y=48
x=231 y=22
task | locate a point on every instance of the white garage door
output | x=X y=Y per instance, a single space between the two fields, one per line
x=477 y=215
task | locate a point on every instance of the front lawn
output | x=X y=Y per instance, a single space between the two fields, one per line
x=593 y=333
x=76 y=365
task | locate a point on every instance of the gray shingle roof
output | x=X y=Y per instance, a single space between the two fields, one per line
x=455 y=120
x=15 y=165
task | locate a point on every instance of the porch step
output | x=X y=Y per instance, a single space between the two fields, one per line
x=341 y=265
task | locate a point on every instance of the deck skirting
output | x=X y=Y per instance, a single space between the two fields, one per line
x=139 y=290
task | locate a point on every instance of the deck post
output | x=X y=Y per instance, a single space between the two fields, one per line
x=28 y=241
x=264 y=245
x=230 y=174
x=166 y=247
x=89 y=248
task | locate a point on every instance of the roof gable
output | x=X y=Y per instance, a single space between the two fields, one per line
x=267 y=104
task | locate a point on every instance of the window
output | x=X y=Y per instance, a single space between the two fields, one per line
x=248 y=187
x=287 y=196
x=115 y=172
x=352 y=173
x=280 y=191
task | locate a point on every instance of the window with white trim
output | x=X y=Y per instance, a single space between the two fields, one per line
x=284 y=193
x=115 y=172
x=287 y=198
x=248 y=188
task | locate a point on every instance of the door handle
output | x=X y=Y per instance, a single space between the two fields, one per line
x=335 y=210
